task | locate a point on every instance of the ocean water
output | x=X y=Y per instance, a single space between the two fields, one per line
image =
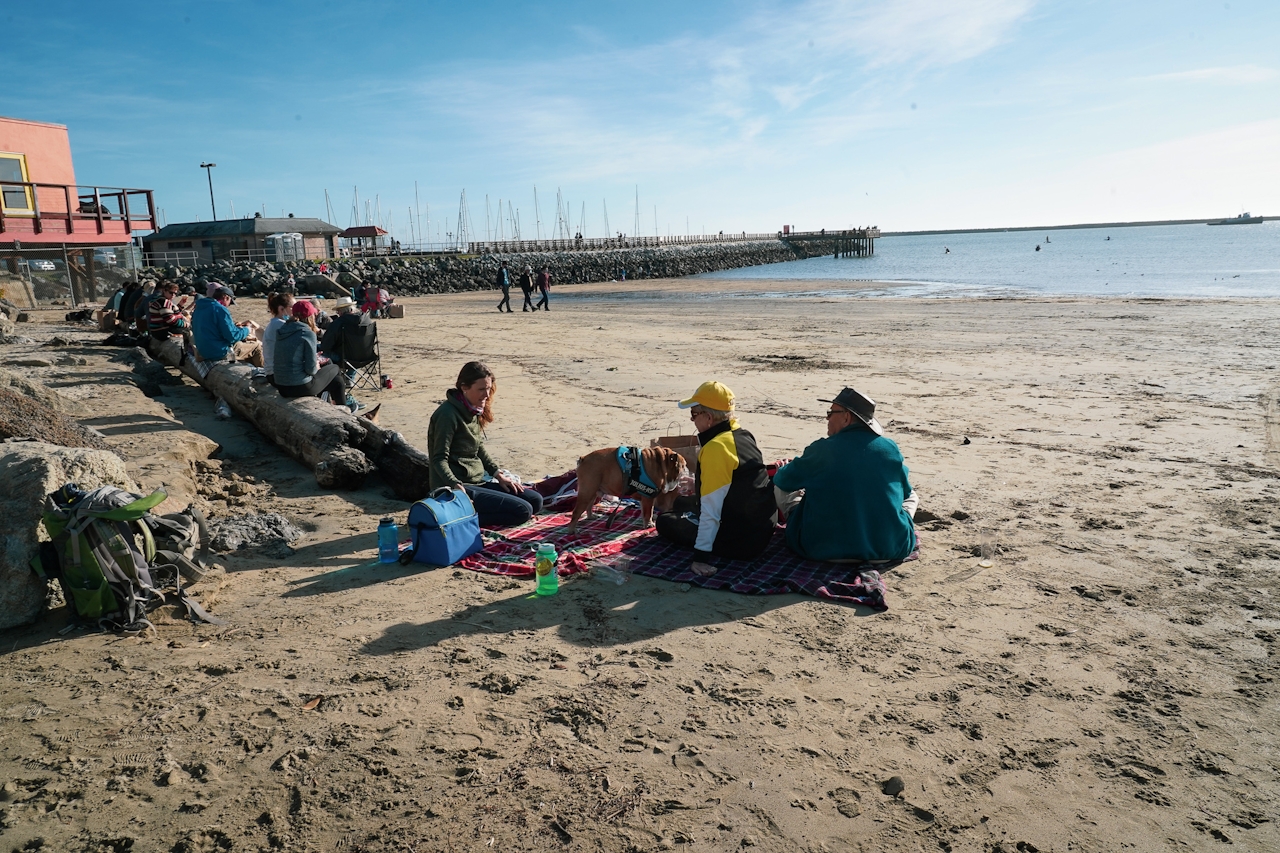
x=1151 y=261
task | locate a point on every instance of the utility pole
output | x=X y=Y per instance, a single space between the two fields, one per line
x=208 y=170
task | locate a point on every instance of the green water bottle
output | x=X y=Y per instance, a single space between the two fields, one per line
x=544 y=565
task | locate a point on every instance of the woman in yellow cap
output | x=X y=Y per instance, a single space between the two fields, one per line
x=734 y=512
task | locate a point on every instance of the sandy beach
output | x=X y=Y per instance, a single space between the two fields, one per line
x=1107 y=683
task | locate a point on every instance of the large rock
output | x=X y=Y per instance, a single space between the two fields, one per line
x=321 y=284
x=40 y=393
x=30 y=471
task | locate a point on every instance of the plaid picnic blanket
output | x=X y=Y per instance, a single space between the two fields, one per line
x=603 y=538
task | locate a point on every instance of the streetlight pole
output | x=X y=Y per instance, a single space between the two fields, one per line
x=208 y=171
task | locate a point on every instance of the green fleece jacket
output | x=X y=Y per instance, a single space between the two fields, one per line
x=855 y=483
x=455 y=443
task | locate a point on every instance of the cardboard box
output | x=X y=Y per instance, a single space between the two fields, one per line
x=395 y=312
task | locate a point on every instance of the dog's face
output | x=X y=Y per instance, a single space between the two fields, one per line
x=672 y=466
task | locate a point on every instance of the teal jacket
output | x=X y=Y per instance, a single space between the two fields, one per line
x=455 y=443
x=855 y=482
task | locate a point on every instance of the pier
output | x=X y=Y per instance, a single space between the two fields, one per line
x=848 y=243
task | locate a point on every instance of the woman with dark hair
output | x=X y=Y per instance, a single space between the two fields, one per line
x=455 y=442
x=280 y=305
x=298 y=371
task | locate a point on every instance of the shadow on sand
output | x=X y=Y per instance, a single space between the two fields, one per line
x=589 y=612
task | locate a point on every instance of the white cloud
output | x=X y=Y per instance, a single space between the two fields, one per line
x=1234 y=75
x=697 y=99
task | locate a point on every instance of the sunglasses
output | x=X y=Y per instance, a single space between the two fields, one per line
x=836 y=412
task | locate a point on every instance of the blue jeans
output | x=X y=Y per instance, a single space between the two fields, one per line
x=497 y=507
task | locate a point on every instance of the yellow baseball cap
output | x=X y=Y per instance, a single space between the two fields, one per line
x=711 y=394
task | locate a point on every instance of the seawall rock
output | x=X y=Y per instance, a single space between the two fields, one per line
x=30 y=471
x=418 y=275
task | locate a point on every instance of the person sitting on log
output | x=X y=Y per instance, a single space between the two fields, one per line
x=217 y=336
x=281 y=306
x=299 y=370
x=459 y=460
x=165 y=319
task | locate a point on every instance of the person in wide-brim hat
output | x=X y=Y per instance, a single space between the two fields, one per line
x=732 y=514
x=848 y=497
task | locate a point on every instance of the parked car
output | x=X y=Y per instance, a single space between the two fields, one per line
x=42 y=264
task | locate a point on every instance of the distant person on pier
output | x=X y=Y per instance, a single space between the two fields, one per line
x=504 y=282
x=526 y=285
x=544 y=287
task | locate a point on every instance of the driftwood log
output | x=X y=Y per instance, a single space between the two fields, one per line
x=341 y=448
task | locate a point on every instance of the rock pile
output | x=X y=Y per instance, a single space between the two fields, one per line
x=421 y=275
x=23 y=417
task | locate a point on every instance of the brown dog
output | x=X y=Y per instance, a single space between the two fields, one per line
x=599 y=473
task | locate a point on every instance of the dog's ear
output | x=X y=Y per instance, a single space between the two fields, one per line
x=674 y=463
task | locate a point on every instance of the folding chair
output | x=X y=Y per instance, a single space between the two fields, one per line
x=359 y=351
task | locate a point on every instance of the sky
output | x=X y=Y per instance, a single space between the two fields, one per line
x=718 y=116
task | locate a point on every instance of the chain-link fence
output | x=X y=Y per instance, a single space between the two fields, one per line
x=71 y=275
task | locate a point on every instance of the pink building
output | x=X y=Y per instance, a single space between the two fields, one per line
x=42 y=203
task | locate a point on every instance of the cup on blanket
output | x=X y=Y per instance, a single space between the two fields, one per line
x=616 y=569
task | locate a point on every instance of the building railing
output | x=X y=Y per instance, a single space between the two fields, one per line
x=70 y=205
x=176 y=258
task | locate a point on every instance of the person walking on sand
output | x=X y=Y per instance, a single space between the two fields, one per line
x=847 y=497
x=733 y=513
x=504 y=282
x=526 y=285
x=544 y=287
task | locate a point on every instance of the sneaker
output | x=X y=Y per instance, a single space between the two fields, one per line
x=324 y=397
x=355 y=405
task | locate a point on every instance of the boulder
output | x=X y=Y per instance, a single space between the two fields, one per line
x=30 y=471
x=321 y=284
x=22 y=417
x=40 y=393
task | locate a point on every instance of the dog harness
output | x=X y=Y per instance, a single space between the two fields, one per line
x=638 y=479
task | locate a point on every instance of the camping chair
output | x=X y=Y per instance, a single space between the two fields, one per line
x=359 y=353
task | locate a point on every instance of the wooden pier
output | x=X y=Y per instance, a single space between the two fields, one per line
x=851 y=243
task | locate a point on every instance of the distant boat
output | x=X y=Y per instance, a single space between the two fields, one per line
x=1242 y=219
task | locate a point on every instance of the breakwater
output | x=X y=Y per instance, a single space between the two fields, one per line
x=417 y=275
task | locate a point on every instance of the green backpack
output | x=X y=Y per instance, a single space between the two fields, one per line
x=104 y=548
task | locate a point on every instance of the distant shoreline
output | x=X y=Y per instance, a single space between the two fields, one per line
x=1055 y=227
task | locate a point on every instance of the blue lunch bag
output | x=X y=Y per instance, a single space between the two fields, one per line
x=445 y=528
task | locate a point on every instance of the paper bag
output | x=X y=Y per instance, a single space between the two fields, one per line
x=686 y=445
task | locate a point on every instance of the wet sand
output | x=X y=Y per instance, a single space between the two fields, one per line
x=1108 y=681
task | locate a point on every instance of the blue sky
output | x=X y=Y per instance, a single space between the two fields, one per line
x=727 y=116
